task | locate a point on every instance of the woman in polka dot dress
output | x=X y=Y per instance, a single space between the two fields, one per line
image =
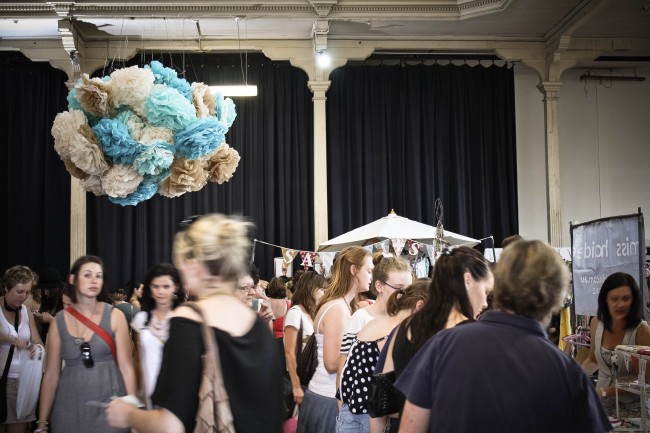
x=364 y=353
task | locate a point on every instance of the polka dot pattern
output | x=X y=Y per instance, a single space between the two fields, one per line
x=356 y=375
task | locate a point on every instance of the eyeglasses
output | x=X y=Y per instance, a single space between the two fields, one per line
x=393 y=287
x=246 y=287
x=88 y=357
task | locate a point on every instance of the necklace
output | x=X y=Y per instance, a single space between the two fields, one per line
x=159 y=328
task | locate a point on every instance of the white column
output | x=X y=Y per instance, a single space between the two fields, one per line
x=319 y=88
x=550 y=91
x=77 y=220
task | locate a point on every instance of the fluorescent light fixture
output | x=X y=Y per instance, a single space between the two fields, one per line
x=323 y=59
x=243 y=90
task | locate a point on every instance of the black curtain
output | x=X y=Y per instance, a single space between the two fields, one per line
x=401 y=136
x=272 y=186
x=34 y=185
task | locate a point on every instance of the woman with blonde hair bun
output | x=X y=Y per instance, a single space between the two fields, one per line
x=211 y=254
x=351 y=274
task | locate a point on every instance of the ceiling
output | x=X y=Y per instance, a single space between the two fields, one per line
x=617 y=30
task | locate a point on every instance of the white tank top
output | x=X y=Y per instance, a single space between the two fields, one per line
x=324 y=383
x=24 y=333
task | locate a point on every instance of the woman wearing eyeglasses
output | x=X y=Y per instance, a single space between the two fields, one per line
x=211 y=255
x=93 y=339
x=162 y=293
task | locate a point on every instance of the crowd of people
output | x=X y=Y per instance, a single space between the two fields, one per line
x=417 y=355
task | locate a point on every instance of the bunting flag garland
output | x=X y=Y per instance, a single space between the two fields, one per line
x=322 y=262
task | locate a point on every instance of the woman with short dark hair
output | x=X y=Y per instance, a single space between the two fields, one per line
x=618 y=320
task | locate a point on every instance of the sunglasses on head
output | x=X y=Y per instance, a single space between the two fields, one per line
x=187 y=222
x=87 y=356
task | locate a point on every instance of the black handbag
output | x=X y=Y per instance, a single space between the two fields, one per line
x=308 y=361
x=384 y=399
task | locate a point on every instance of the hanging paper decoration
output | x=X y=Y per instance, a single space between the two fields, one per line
x=144 y=130
x=398 y=245
x=288 y=255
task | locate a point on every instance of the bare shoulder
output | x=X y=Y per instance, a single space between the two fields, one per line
x=643 y=334
x=186 y=312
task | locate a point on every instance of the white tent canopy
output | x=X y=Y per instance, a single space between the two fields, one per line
x=393 y=226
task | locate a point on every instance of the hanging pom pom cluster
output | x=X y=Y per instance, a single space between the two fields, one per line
x=142 y=131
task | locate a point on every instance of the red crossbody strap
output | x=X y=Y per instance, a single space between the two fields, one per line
x=96 y=329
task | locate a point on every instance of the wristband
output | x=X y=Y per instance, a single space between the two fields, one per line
x=42 y=421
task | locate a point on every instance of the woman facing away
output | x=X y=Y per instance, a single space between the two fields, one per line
x=211 y=254
x=19 y=340
x=162 y=293
x=351 y=274
x=308 y=290
x=457 y=294
x=618 y=321
x=93 y=339
x=364 y=354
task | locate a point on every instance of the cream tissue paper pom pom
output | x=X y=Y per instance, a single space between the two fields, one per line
x=74 y=141
x=151 y=134
x=121 y=180
x=131 y=86
x=94 y=95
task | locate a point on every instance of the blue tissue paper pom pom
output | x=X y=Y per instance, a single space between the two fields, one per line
x=218 y=97
x=167 y=108
x=230 y=113
x=154 y=159
x=116 y=142
x=200 y=138
x=169 y=77
x=144 y=192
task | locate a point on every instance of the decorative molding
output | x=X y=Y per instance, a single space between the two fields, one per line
x=421 y=9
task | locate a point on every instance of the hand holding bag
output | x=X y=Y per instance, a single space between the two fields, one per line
x=29 y=384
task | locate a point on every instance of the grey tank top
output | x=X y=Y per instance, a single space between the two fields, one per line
x=99 y=349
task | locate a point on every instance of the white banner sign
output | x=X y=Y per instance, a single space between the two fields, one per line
x=601 y=248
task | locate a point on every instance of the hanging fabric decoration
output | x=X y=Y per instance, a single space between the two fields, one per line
x=398 y=245
x=307 y=258
x=413 y=249
x=288 y=255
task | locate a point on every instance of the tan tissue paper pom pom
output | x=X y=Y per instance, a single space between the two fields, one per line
x=93 y=184
x=94 y=95
x=74 y=170
x=221 y=164
x=76 y=142
x=186 y=175
x=204 y=101
x=121 y=180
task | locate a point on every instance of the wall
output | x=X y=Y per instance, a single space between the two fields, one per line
x=604 y=132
